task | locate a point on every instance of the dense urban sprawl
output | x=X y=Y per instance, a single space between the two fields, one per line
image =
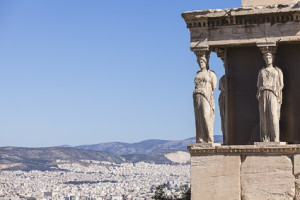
x=93 y=180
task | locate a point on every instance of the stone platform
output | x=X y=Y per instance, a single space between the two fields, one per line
x=246 y=172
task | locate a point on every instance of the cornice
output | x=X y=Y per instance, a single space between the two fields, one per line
x=242 y=16
x=195 y=149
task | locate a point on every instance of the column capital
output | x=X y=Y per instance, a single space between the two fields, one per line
x=221 y=53
x=201 y=51
x=267 y=47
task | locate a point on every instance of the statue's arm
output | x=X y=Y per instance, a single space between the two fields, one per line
x=214 y=80
x=259 y=79
x=258 y=85
x=281 y=78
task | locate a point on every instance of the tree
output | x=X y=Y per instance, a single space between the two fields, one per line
x=162 y=192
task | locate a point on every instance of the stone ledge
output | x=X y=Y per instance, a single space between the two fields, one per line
x=195 y=149
x=270 y=144
x=249 y=16
x=246 y=3
x=212 y=13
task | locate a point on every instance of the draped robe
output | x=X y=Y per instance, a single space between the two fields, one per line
x=204 y=106
x=269 y=95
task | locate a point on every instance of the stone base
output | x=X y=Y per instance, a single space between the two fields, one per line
x=269 y=144
x=249 y=172
x=204 y=145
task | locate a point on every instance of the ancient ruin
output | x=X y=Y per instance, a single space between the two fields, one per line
x=259 y=44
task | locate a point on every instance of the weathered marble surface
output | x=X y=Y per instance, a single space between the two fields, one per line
x=297 y=164
x=246 y=3
x=222 y=105
x=269 y=96
x=268 y=178
x=250 y=172
x=246 y=25
x=215 y=177
x=297 y=175
x=204 y=105
x=297 y=185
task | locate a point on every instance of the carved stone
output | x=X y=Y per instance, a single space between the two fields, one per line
x=247 y=3
x=247 y=26
x=204 y=106
x=267 y=177
x=242 y=33
x=222 y=105
x=269 y=96
x=222 y=87
x=248 y=172
x=215 y=177
x=268 y=170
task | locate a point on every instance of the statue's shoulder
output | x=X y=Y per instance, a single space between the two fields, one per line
x=212 y=75
x=212 y=72
x=198 y=72
x=223 y=77
x=262 y=70
x=278 y=69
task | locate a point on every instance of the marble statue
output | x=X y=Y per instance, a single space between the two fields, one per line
x=222 y=105
x=269 y=96
x=204 y=106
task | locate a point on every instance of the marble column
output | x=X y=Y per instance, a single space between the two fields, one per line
x=221 y=53
x=269 y=94
x=204 y=106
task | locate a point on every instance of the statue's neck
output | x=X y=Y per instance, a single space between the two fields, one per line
x=204 y=70
x=270 y=66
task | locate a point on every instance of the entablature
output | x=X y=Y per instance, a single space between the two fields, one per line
x=247 y=25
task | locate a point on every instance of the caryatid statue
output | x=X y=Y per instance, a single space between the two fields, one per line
x=204 y=106
x=269 y=96
x=222 y=106
x=222 y=87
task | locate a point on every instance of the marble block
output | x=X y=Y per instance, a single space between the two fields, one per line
x=252 y=3
x=215 y=177
x=268 y=178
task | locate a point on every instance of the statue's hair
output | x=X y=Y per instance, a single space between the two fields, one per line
x=202 y=58
x=268 y=53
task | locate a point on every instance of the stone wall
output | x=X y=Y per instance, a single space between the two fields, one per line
x=245 y=172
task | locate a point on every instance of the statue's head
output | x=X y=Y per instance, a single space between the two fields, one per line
x=268 y=57
x=202 y=61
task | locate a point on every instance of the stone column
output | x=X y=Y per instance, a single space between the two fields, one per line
x=221 y=53
x=202 y=51
x=269 y=94
x=204 y=105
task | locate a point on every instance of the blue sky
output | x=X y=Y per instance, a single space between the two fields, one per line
x=85 y=72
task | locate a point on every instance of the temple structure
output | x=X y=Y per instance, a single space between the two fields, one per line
x=249 y=167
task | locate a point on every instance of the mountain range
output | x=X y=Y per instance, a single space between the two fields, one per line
x=144 y=147
x=150 y=151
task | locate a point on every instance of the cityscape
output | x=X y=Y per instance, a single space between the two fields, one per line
x=93 y=180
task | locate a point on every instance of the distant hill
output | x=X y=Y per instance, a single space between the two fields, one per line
x=150 y=151
x=19 y=158
x=143 y=147
x=155 y=157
